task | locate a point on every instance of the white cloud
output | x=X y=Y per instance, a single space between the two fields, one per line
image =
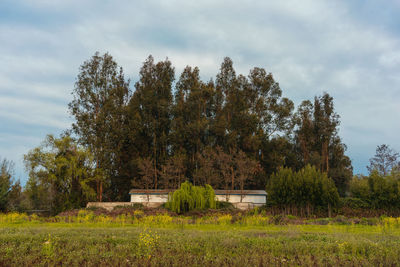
x=309 y=46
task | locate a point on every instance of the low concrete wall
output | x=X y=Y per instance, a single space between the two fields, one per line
x=107 y=205
x=246 y=205
x=111 y=205
x=150 y=198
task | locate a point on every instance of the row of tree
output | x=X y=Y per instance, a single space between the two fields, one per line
x=381 y=188
x=215 y=167
x=168 y=131
x=231 y=132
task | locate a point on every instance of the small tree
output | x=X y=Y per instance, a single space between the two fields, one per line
x=207 y=172
x=190 y=197
x=6 y=170
x=62 y=175
x=246 y=168
x=173 y=171
x=148 y=174
x=384 y=161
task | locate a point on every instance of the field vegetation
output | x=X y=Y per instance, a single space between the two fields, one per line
x=216 y=239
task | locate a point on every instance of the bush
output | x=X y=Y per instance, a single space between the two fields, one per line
x=133 y=206
x=190 y=197
x=224 y=205
x=353 y=203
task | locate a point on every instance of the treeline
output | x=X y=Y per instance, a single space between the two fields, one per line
x=381 y=188
x=232 y=132
x=309 y=190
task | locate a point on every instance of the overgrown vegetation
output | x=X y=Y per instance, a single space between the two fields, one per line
x=218 y=240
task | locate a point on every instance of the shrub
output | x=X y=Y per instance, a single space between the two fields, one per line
x=224 y=205
x=133 y=206
x=190 y=197
x=354 y=203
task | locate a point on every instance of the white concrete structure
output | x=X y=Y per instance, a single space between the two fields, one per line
x=150 y=198
x=245 y=199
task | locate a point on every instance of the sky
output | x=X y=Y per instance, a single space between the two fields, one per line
x=350 y=49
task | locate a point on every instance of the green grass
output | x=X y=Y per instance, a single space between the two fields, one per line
x=180 y=244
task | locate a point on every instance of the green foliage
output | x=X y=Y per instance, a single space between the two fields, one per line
x=379 y=191
x=100 y=99
x=11 y=196
x=219 y=244
x=61 y=175
x=224 y=205
x=307 y=188
x=190 y=197
x=353 y=203
x=230 y=132
x=317 y=141
x=6 y=169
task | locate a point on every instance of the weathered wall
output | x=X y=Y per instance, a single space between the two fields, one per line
x=111 y=205
x=156 y=200
x=141 y=198
x=107 y=205
x=247 y=202
x=256 y=199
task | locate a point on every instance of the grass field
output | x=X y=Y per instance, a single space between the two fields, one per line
x=161 y=240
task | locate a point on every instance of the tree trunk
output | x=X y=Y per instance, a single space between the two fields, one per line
x=101 y=191
x=232 y=179
x=327 y=156
x=97 y=190
x=155 y=161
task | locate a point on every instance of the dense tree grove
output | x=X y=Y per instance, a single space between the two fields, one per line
x=231 y=132
x=302 y=191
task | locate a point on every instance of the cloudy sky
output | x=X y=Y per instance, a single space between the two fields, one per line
x=350 y=49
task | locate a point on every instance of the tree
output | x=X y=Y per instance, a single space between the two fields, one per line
x=225 y=165
x=16 y=198
x=207 y=172
x=100 y=96
x=61 y=175
x=189 y=197
x=384 y=161
x=150 y=111
x=303 y=190
x=377 y=190
x=147 y=172
x=172 y=173
x=318 y=143
x=192 y=111
x=246 y=168
x=6 y=182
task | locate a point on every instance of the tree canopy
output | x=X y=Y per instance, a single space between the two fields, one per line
x=233 y=131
